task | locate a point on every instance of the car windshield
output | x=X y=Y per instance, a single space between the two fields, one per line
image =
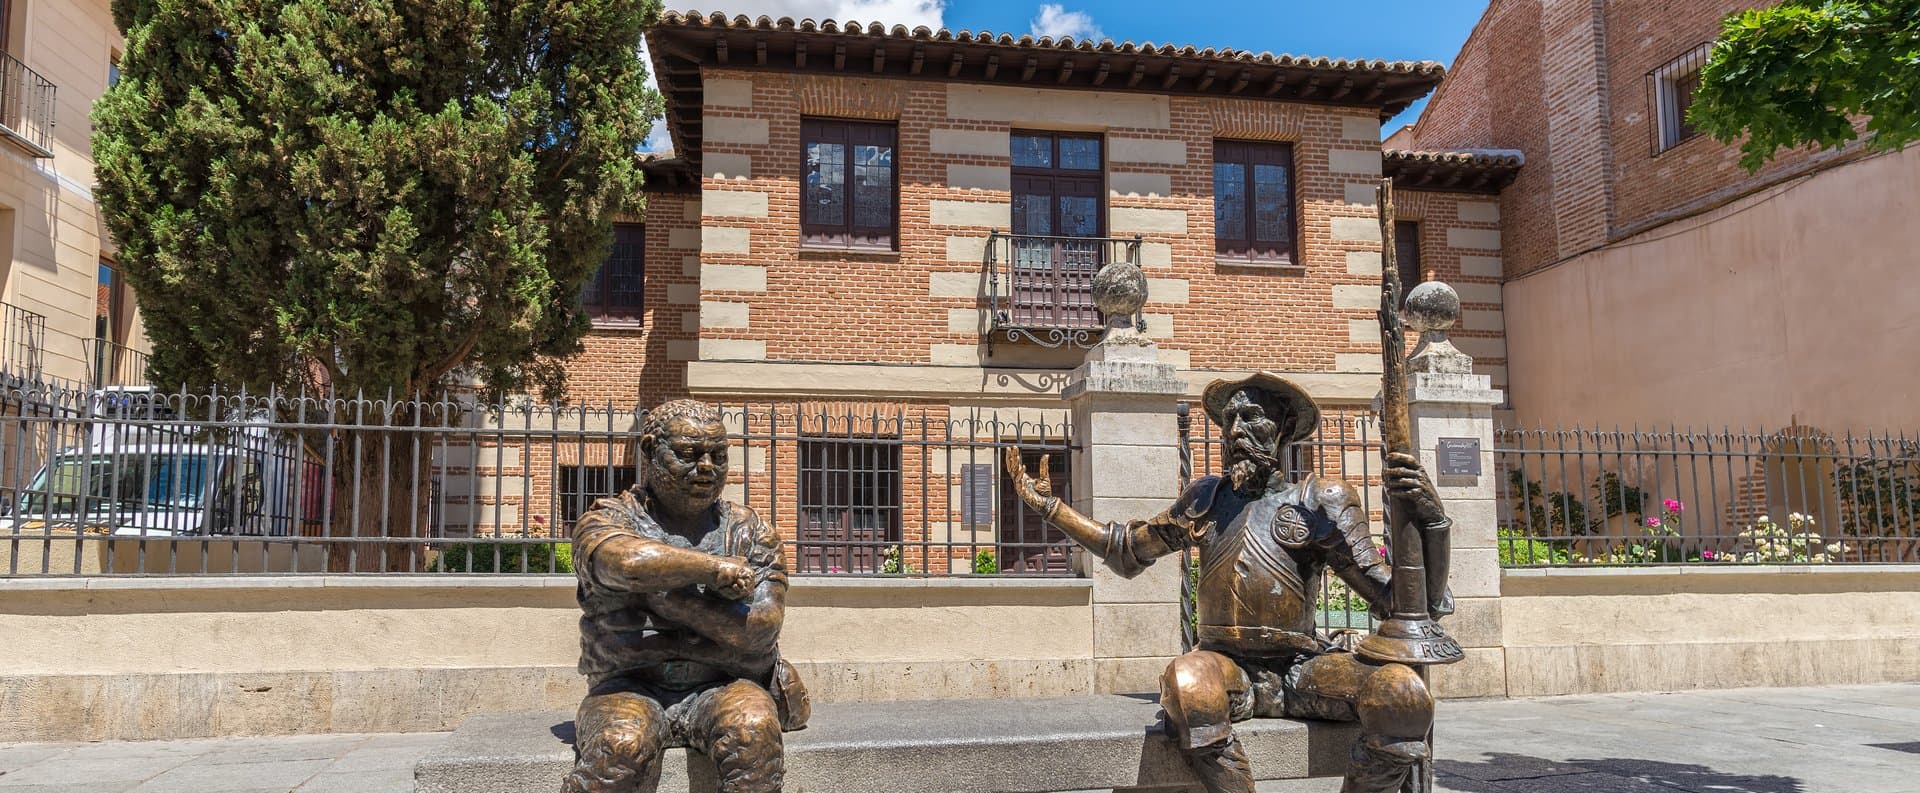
x=121 y=482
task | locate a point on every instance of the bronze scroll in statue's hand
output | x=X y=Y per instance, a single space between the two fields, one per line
x=1408 y=485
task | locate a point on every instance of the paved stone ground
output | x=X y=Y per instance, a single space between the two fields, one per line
x=1860 y=739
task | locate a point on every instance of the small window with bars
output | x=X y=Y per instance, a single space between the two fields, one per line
x=615 y=292
x=1670 y=90
x=581 y=485
x=850 y=494
x=848 y=190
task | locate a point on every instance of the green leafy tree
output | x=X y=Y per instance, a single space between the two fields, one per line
x=1801 y=72
x=369 y=195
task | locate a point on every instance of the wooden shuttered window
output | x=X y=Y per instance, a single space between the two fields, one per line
x=849 y=186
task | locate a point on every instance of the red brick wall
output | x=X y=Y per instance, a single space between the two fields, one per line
x=626 y=364
x=826 y=306
x=1565 y=81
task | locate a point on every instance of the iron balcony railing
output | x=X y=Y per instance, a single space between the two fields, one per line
x=26 y=107
x=23 y=344
x=1040 y=287
x=115 y=364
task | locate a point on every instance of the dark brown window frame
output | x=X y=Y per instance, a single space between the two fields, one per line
x=604 y=311
x=1408 y=265
x=1056 y=171
x=1248 y=250
x=847 y=235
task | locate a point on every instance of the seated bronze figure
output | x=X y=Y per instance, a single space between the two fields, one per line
x=682 y=594
x=1264 y=544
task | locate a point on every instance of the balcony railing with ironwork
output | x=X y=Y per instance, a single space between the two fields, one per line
x=115 y=364
x=23 y=344
x=26 y=107
x=1040 y=287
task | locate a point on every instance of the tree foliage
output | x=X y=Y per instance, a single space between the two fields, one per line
x=1802 y=71
x=369 y=194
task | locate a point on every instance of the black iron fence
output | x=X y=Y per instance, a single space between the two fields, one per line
x=114 y=364
x=1346 y=446
x=1632 y=497
x=26 y=105
x=1040 y=287
x=127 y=481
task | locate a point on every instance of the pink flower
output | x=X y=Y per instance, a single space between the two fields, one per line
x=1706 y=554
x=1674 y=505
x=1653 y=523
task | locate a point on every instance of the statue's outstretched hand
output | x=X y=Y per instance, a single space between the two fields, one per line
x=1034 y=493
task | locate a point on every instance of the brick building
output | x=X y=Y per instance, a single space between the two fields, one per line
x=906 y=223
x=1649 y=278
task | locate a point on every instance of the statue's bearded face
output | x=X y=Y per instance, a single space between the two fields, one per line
x=687 y=466
x=1252 y=439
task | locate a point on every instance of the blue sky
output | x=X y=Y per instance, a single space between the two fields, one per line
x=1389 y=29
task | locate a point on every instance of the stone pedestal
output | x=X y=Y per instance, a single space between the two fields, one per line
x=1446 y=401
x=1127 y=466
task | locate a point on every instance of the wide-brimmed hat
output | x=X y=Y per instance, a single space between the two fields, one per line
x=1276 y=394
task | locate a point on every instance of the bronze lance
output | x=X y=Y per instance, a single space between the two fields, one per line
x=1410 y=635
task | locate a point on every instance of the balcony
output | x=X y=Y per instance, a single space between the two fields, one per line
x=115 y=364
x=26 y=108
x=23 y=345
x=1040 y=288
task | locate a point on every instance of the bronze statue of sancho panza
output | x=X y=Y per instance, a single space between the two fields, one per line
x=1264 y=544
x=682 y=595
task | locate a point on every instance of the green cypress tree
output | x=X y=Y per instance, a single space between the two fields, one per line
x=367 y=196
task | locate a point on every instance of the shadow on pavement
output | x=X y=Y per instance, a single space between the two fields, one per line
x=1514 y=773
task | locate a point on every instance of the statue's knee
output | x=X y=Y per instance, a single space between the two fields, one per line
x=631 y=743
x=1394 y=701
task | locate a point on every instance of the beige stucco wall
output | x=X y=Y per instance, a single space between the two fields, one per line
x=1596 y=630
x=57 y=239
x=1790 y=305
x=106 y=658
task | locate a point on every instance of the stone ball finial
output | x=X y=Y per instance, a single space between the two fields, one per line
x=1119 y=289
x=1433 y=305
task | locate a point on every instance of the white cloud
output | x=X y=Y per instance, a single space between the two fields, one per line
x=911 y=13
x=1056 y=21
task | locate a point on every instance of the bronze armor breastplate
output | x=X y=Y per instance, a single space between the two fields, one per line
x=1257 y=595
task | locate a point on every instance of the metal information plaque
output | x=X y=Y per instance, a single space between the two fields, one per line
x=1458 y=456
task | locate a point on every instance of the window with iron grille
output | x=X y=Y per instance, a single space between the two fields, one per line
x=1253 y=217
x=1671 y=91
x=1406 y=254
x=615 y=293
x=849 y=193
x=581 y=485
x=849 y=504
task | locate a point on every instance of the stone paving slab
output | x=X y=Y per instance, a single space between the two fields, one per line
x=1814 y=740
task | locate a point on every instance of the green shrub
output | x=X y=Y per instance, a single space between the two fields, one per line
x=1519 y=550
x=984 y=563
x=503 y=557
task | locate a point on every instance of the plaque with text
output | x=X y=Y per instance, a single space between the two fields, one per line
x=1458 y=456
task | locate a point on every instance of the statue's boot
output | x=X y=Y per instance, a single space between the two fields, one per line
x=1222 y=767
x=1396 y=713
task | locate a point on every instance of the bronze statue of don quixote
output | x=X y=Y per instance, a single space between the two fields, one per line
x=683 y=594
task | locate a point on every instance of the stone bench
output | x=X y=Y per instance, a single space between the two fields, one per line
x=948 y=746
